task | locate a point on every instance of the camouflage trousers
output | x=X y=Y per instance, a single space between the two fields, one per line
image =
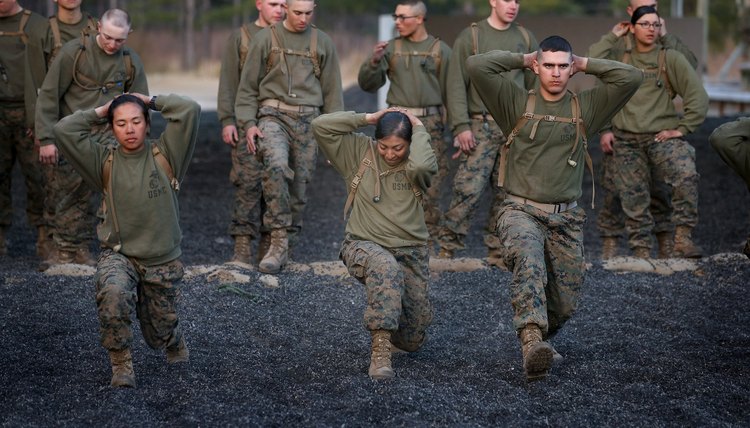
x=124 y=286
x=475 y=173
x=396 y=282
x=610 y=218
x=636 y=156
x=431 y=199
x=15 y=144
x=248 y=205
x=289 y=152
x=545 y=253
x=69 y=206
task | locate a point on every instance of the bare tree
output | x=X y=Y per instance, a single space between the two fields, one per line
x=188 y=34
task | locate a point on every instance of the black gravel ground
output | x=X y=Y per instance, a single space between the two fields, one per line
x=644 y=349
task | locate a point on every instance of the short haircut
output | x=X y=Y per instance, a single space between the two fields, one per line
x=393 y=124
x=417 y=5
x=116 y=17
x=125 y=99
x=555 y=44
x=290 y=2
x=643 y=10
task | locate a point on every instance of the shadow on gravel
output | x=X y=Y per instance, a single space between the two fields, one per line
x=644 y=349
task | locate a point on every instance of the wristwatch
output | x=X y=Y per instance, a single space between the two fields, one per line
x=152 y=103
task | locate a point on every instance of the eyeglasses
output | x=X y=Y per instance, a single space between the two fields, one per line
x=646 y=25
x=402 y=17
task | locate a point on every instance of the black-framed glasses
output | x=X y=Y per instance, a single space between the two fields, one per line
x=402 y=17
x=647 y=25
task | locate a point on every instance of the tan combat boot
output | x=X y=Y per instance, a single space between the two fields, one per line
x=242 y=250
x=666 y=244
x=609 y=247
x=278 y=253
x=642 y=252
x=83 y=257
x=263 y=245
x=65 y=256
x=683 y=243
x=537 y=354
x=445 y=253
x=122 y=368
x=178 y=353
x=44 y=242
x=380 y=358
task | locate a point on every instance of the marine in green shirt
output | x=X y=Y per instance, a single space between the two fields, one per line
x=385 y=246
x=476 y=133
x=610 y=217
x=540 y=223
x=649 y=136
x=22 y=41
x=292 y=77
x=416 y=64
x=79 y=79
x=246 y=171
x=139 y=268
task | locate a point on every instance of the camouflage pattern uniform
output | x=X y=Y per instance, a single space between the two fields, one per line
x=610 y=217
x=417 y=82
x=478 y=170
x=540 y=226
x=123 y=286
x=395 y=280
x=19 y=58
x=300 y=89
x=247 y=168
x=385 y=243
x=638 y=156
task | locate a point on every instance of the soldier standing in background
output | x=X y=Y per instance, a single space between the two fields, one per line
x=476 y=133
x=246 y=171
x=22 y=42
x=294 y=75
x=69 y=23
x=86 y=73
x=610 y=219
x=416 y=64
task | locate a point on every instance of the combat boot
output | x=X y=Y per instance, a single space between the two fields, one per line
x=263 y=245
x=683 y=243
x=537 y=354
x=666 y=244
x=445 y=253
x=122 y=368
x=83 y=257
x=44 y=243
x=242 y=251
x=65 y=256
x=3 y=246
x=178 y=353
x=278 y=253
x=609 y=247
x=380 y=357
x=642 y=252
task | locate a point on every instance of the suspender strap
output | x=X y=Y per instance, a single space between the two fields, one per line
x=369 y=161
x=530 y=104
x=20 y=33
x=276 y=48
x=244 y=44
x=87 y=83
x=108 y=199
x=433 y=51
x=165 y=166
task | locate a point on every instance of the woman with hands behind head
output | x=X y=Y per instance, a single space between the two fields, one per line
x=139 y=267
x=385 y=246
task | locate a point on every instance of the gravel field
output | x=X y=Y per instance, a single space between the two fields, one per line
x=643 y=350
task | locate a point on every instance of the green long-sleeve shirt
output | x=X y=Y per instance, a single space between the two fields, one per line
x=146 y=206
x=651 y=109
x=21 y=64
x=291 y=78
x=60 y=95
x=397 y=220
x=732 y=142
x=538 y=169
x=229 y=78
x=618 y=45
x=416 y=81
x=463 y=99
